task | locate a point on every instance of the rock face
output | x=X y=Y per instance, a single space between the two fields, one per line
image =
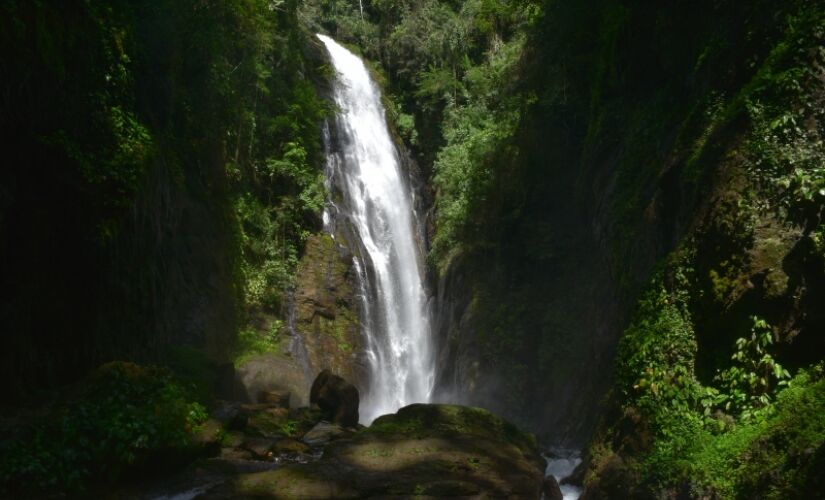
x=337 y=399
x=323 y=327
x=271 y=372
x=423 y=450
x=551 y=489
x=326 y=309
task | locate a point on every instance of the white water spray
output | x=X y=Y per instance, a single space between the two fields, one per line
x=376 y=201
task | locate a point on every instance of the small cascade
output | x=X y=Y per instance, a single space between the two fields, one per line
x=561 y=464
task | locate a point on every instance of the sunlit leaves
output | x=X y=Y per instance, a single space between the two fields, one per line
x=751 y=382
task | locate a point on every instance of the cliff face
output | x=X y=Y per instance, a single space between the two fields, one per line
x=114 y=242
x=652 y=131
x=159 y=181
x=326 y=311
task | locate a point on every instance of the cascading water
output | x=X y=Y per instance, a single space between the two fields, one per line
x=364 y=166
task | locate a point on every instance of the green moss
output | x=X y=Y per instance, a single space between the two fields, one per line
x=271 y=424
x=252 y=341
x=700 y=445
x=423 y=420
x=390 y=426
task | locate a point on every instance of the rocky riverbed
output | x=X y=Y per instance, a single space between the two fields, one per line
x=269 y=450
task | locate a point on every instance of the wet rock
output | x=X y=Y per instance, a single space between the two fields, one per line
x=576 y=478
x=236 y=454
x=423 y=450
x=290 y=446
x=268 y=422
x=614 y=478
x=260 y=448
x=303 y=419
x=253 y=408
x=551 y=489
x=275 y=398
x=323 y=433
x=337 y=399
x=230 y=414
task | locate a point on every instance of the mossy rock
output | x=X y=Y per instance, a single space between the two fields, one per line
x=426 y=420
x=326 y=307
x=270 y=423
x=301 y=420
x=209 y=435
x=423 y=450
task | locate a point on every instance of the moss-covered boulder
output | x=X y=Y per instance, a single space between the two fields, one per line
x=337 y=399
x=423 y=450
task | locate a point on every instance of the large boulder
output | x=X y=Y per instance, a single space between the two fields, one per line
x=270 y=373
x=551 y=489
x=337 y=399
x=421 y=451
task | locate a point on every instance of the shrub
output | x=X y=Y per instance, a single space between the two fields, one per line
x=126 y=415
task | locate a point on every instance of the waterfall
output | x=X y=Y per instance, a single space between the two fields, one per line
x=363 y=165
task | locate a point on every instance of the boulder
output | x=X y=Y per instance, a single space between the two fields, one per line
x=271 y=372
x=260 y=448
x=230 y=414
x=303 y=419
x=322 y=434
x=551 y=489
x=431 y=451
x=268 y=422
x=337 y=399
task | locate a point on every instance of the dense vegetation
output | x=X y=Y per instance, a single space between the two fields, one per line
x=161 y=177
x=123 y=419
x=636 y=189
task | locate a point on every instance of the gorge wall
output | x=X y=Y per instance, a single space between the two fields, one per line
x=161 y=178
x=571 y=150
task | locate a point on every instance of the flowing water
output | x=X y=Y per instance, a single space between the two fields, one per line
x=363 y=165
x=560 y=464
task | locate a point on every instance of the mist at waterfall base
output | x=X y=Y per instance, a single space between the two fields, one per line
x=560 y=464
x=363 y=167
